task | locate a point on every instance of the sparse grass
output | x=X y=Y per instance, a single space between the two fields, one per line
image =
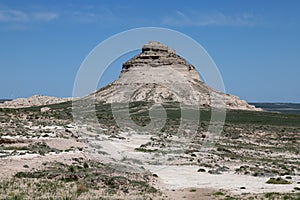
x=75 y=181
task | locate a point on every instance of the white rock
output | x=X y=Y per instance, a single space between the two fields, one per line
x=45 y=109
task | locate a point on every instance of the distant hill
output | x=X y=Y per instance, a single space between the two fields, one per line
x=36 y=100
x=293 y=108
x=3 y=100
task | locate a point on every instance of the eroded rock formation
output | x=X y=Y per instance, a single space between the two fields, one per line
x=158 y=74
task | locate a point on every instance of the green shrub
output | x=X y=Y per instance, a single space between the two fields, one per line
x=278 y=180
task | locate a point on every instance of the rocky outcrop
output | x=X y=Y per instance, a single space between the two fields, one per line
x=158 y=74
x=36 y=100
x=154 y=56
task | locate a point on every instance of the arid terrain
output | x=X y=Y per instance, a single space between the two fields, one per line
x=116 y=143
x=45 y=155
x=149 y=100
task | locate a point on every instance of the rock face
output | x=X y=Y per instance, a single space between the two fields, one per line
x=158 y=74
x=36 y=100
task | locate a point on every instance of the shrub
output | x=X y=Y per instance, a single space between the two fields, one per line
x=278 y=180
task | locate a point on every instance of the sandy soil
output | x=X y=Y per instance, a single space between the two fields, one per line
x=190 y=193
x=12 y=165
x=180 y=177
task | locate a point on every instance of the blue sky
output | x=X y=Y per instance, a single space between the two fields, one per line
x=255 y=44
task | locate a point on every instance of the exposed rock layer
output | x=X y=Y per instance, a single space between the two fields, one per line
x=158 y=74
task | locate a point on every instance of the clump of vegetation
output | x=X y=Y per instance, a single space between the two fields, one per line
x=145 y=150
x=219 y=193
x=193 y=190
x=201 y=170
x=284 y=196
x=86 y=165
x=278 y=180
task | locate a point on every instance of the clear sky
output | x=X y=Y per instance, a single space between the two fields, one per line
x=255 y=44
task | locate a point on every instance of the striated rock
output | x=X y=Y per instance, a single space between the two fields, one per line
x=158 y=74
x=157 y=55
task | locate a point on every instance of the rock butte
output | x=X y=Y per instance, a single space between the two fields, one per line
x=158 y=74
